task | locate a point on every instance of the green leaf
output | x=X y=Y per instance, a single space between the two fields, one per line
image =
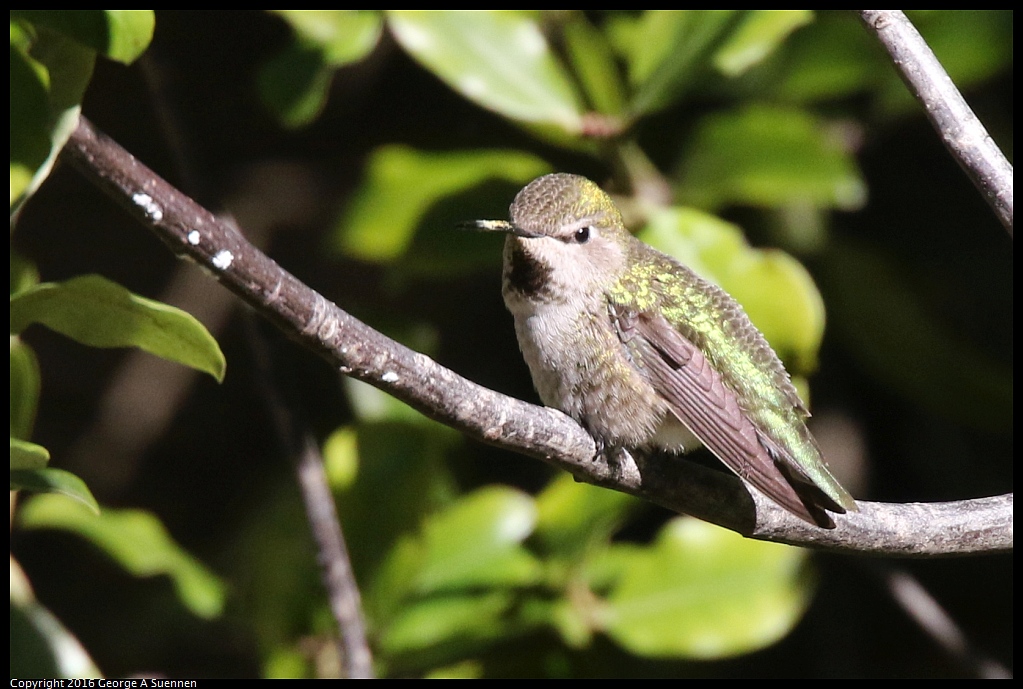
x=971 y=45
x=372 y=404
x=776 y=291
x=460 y=621
x=120 y=35
x=704 y=592
x=453 y=583
x=100 y=313
x=64 y=68
x=836 y=58
x=667 y=50
x=769 y=156
x=30 y=119
x=24 y=388
x=24 y=273
x=832 y=59
x=398 y=464
x=295 y=83
x=26 y=455
x=341 y=36
x=476 y=542
x=40 y=645
x=401 y=186
x=52 y=56
x=138 y=542
x=49 y=480
x=272 y=569
x=757 y=35
x=574 y=517
x=594 y=63
x=496 y=58
x=341 y=458
x=468 y=669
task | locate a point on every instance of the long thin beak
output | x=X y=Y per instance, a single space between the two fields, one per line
x=497 y=226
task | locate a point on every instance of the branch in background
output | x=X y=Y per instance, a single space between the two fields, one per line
x=970 y=526
x=295 y=437
x=338 y=577
x=963 y=134
x=935 y=622
x=356 y=660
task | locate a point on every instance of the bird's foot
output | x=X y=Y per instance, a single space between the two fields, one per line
x=617 y=459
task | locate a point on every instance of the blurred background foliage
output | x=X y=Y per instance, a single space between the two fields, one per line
x=776 y=152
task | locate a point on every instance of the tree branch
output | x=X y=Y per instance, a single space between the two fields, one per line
x=969 y=526
x=960 y=130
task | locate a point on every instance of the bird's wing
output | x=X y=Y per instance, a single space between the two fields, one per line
x=698 y=396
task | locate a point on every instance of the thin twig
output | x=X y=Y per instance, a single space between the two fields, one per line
x=936 y=623
x=356 y=660
x=297 y=441
x=964 y=136
x=969 y=526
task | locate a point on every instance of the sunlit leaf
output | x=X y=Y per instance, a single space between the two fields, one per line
x=499 y=59
x=24 y=388
x=372 y=404
x=24 y=273
x=454 y=581
x=780 y=291
x=667 y=50
x=595 y=64
x=30 y=120
x=120 y=35
x=462 y=621
x=138 y=542
x=472 y=544
x=52 y=56
x=769 y=156
x=341 y=457
x=777 y=292
x=26 y=455
x=342 y=36
x=476 y=542
x=834 y=58
x=402 y=184
x=47 y=479
x=469 y=669
x=288 y=662
x=399 y=464
x=574 y=516
x=294 y=84
x=49 y=74
x=100 y=313
x=704 y=592
x=758 y=33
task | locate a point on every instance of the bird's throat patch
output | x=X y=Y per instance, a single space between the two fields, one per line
x=528 y=275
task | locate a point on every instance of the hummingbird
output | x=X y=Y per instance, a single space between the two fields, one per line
x=646 y=355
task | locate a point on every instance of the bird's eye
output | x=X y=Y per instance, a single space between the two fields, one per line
x=582 y=235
